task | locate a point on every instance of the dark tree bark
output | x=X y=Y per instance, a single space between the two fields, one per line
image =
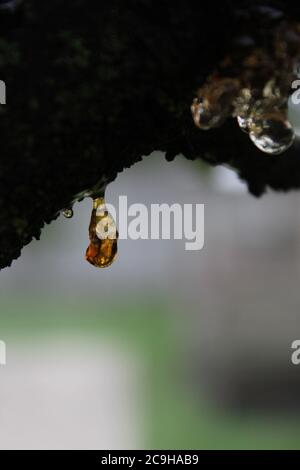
x=92 y=86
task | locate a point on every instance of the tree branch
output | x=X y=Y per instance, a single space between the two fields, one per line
x=92 y=86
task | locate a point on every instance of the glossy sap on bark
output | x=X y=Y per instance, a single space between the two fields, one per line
x=214 y=103
x=264 y=118
x=254 y=86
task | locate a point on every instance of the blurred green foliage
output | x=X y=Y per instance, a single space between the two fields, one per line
x=175 y=417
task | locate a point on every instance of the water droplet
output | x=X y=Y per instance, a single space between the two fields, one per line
x=68 y=213
x=272 y=133
x=265 y=119
x=103 y=234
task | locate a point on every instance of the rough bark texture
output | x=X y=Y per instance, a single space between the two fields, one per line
x=92 y=86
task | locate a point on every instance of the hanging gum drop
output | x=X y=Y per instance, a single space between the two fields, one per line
x=103 y=234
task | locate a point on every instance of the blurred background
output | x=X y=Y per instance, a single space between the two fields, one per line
x=167 y=348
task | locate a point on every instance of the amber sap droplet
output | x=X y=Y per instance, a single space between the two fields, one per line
x=103 y=234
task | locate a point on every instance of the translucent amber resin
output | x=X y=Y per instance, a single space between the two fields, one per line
x=103 y=234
